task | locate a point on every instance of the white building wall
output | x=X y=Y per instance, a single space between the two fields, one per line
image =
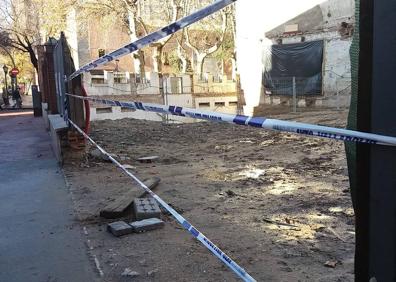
x=183 y=100
x=337 y=67
x=227 y=105
x=335 y=11
x=71 y=35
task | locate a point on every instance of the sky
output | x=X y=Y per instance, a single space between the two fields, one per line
x=254 y=18
x=264 y=15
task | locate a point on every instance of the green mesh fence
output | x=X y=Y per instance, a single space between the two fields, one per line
x=352 y=118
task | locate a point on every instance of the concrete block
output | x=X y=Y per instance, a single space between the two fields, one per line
x=57 y=123
x=146 y=208
x=119 y=228
x=57 y=126
x=148 y=159
x=147 y=225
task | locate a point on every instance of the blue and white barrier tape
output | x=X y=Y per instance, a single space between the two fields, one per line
x=197 y=234
x=155 y=36
x=260 y=122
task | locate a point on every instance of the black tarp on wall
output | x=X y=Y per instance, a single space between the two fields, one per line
x=300 y=60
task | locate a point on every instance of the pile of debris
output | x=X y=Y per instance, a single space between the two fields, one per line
x=144 y=210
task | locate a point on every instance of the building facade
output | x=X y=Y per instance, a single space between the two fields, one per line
x=331 y=23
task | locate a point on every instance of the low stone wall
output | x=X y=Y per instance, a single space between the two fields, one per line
x=334 y=101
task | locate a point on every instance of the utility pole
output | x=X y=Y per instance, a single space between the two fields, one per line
x=5 y=69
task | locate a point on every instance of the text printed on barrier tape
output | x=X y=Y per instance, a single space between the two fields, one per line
x=195 y=232
x=155 y=36
x=259 y=122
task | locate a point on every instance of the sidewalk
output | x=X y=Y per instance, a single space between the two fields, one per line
x=39 y=241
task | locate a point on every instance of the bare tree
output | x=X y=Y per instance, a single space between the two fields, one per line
x=209 y=36
x=183 y=54
x=5 y=46
x=24 y=24
x=134 y=19
x=14 y=33
x=172 y=13
x=233 y=38
x=125 y=14
x=140 y=17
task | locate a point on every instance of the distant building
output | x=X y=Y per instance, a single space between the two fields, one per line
x=323 y=81
x=215 y=90
x=94 y=40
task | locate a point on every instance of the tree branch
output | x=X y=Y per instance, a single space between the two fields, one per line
x=224 y=15
x=188 y=41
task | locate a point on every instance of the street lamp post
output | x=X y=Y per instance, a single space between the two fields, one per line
x=5 y=69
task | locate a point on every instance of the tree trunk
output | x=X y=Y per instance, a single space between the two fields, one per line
x=202 y=54
x=157 y=58
x=200 y=63
x=138 y=56
x=159 y=46
x=33 y=58
x=184 y=65
x=185 y=62
x=138 y=63
x=234 y=67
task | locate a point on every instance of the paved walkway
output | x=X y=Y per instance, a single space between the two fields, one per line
x=39 y=241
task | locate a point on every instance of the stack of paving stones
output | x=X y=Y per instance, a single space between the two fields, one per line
x=147 y=215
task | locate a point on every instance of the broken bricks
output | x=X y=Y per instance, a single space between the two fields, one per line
x=119 y=206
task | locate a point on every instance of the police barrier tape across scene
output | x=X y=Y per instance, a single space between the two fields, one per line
x=259 y=122
x=197 y=234
x=155 y=36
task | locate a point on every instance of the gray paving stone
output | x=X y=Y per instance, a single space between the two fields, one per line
x=119 y=228
x=147 y=224
x=146 y=208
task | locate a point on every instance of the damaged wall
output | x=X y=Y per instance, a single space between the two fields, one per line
x=336 y=67
x=335 y=27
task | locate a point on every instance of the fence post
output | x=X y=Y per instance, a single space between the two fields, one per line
x=166 y=97
x=294 y=95
x=338 y=95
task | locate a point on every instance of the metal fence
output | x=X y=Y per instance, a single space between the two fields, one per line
x=59 y=70
x=289 y=86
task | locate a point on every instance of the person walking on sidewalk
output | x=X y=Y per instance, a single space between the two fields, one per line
x=17 y=97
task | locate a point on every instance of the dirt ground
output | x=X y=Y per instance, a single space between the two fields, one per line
x=277 y=203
